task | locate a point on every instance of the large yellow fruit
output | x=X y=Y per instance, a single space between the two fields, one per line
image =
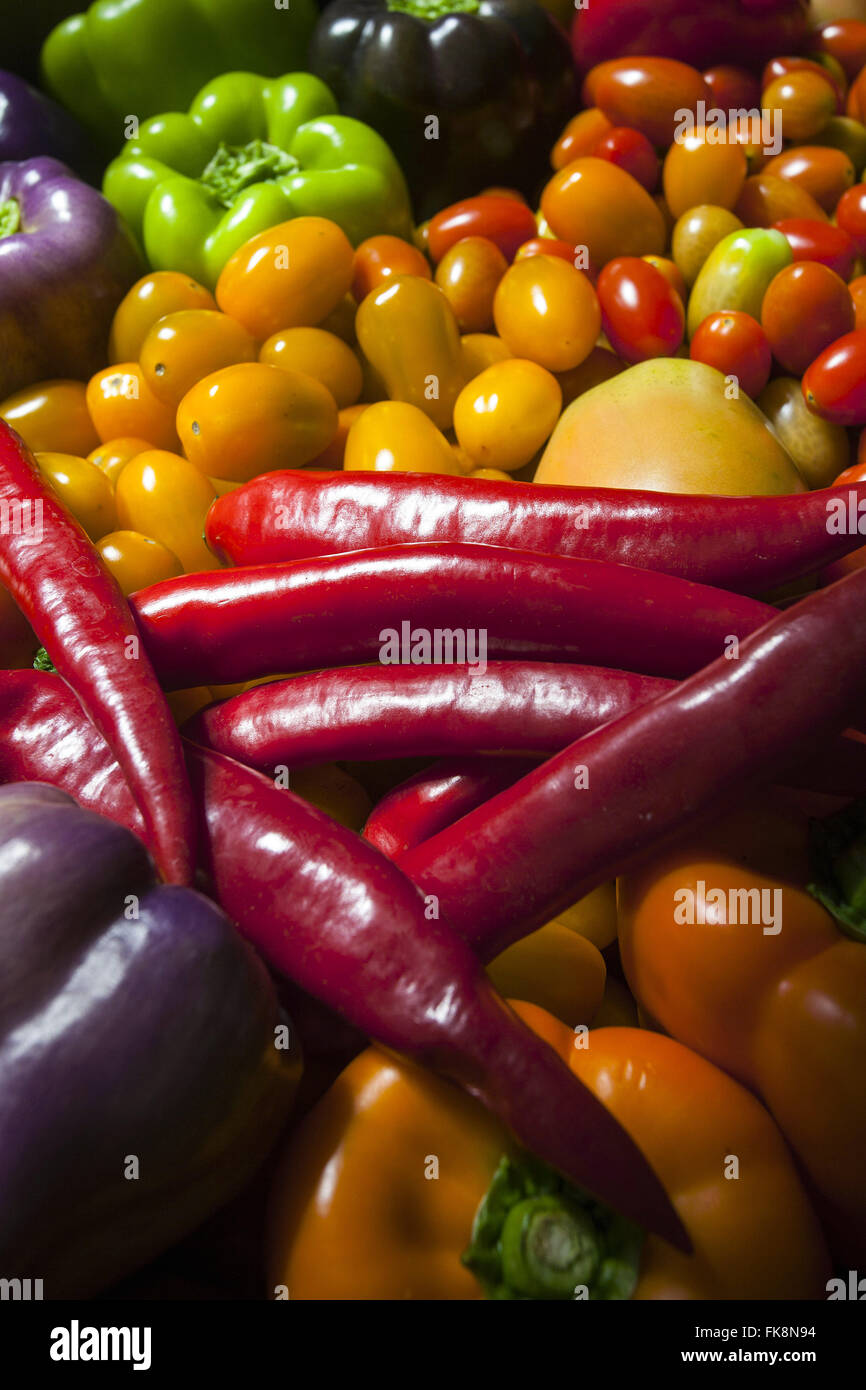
x=669 y=426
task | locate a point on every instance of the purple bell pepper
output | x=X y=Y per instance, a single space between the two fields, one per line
x=32 y=124
x=66 y=261
x=141 y=1080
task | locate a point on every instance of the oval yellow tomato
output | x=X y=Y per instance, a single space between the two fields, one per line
x=290 y=276
x=318 y=354
x=547 y=311
x=136 y=560
x=395 y=437
x=81 y=487
x=504 y=415
x=165 y=497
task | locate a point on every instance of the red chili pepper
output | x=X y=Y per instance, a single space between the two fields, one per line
x=436 y=797
x=750 y=544
x=360 y=713
x=79 y=614
x=337 y=918
x=594 y=810
x=235 y=625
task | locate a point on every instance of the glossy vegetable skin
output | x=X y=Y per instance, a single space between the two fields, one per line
x=436 y=797
x=692 y=31
x=749 y=544
x=333 y=915
x=497 y=76
x=32 y=124
x=77 y=612
x=618 y=794
x=353 y=1217
x=191 y=1085
x=234 y=625
x=65 y=263
x=786 y=982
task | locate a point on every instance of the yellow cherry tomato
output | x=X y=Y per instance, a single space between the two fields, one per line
x=698 y=170
x=82 y=488
x=121 y=403
x=136 y=560
x=52 y=415
x=163 y=292
x=593 y=916
x=504 y=415
x=319 y=354
x=395 y=437
x=467 y=275
x=182 y=348
x=408 y=333
x=290 y=276
x=166 y=497
x=253 y=418
x=479 y=351
x=113 y=456
x=547 y=311
x=490 y=475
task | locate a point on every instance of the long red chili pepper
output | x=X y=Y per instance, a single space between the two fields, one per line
x=367 y=712
x=79 y=614
x=436 y=797
x=340 y=920
x=750 y=544
x=593 y=810
x=234 y=625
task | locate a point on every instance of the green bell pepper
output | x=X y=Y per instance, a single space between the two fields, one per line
x=249 y=154
x=125 y=58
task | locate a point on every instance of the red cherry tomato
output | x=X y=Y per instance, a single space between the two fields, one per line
x=806 y=307
x=835 y=384
x=851 y=215
x=736 y=345
x=845 y=40
x=632 y=152
x=857 y=291
x=733 y=89
x=504 y=221
x=642 y=315
x=781 y=67
x=811 y=240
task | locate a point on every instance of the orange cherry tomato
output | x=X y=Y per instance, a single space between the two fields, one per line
x=580 y=136
x=504 y=416
x=857 y=290
x=631 y=151
x=806 y=307
x=824 y=173
x=827 y=68
x=381 y=257
x=845 y=40
x=113 y=456
x=701 y=169
x=53 y=416
x=766 y=199
x=595 y=204
x=254 y=418
x=82 y=488
x=736 y=345
x=182 y=348
x=149 y=300
x=733 y=88
x=479 y=351
x=121 y=403
x=290 y=276
x=318 y=354
x=806 y=99
x=136 y=560
x=165 y=497
x=649 y=94
x=468 y=275
x=672 y=273
x=547 y=311
x=333 y=457
x=851 y=215
x=396 y=437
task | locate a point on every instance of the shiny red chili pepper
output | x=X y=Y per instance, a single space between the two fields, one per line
x=436 y=797
x=235 y=625
x=80 y=616
x=593 y=811
x=502 y=220
x=750 y=544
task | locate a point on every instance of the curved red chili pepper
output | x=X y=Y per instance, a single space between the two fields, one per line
x=436 y=797
x=749 y=544
x=78 y=613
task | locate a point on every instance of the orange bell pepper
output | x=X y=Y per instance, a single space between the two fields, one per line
x=380 y=1188
x=779 y=1002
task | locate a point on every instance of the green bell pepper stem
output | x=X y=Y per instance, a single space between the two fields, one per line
x=536 y=1236
x=235 y=167
x=838 y=846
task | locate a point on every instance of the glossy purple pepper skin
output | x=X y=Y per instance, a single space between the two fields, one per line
x=31 y=124
x=66 y=261
x=134 y=1021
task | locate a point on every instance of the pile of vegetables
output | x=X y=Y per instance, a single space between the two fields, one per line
x=433 y=646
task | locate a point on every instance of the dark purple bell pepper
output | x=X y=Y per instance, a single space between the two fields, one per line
x=66 y=261
x=140 y=1079
x=32 y=124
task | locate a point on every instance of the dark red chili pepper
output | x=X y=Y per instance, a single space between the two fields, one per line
x=592 y=811
x=750 y=544
x=78 y=613
x=360 y=713
x=436 y=797
x=331 y=913
x=235 y=625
